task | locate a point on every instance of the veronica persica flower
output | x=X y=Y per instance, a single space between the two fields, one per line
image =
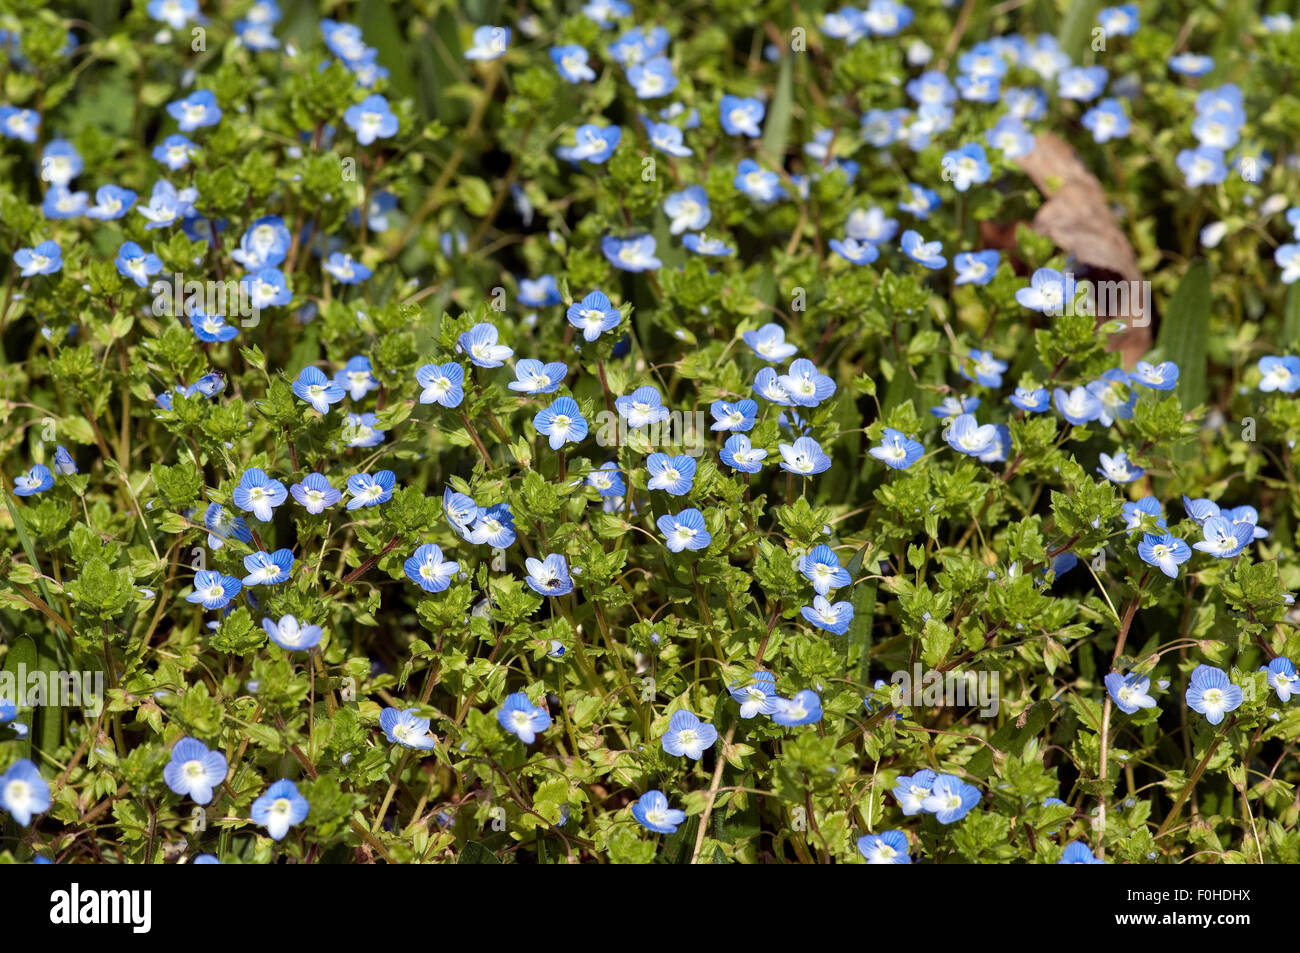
x=854 y=251
x=607 y=480
x=666 y=138
x=756 y=696
x=634 y=254
x=674 y=475
x=767 y=384
x=561 y=423
x=427 y=569
x=653 y=813
x=1046 y=291
x=644 y=406
x=741 y=116
x=1287 y=258
x=1212 y=693
x=966 y=166
x=688 y=736
x=522 y=718
x=36 y=480
x=805 y=385
x=60 y=163
x=804 y=457
x=986 y=369
x=1032 y=400
x=911 y=791
x=1129 y=692
x=64 y=465
x=174 y=152
x=196 y=110
x=920 y=201
x=594 y=315
x=370 y=490
x=897 y=450
x=344 y=269
x=268 y=569
x=822 y=568
x=135 y=263
x=407 y=728
x=480 y=343
x=975 y=267
x=534 y=377
x=738 y=416
x=739 y=454
x=495 y=526
x=370 y=120
x=950 y=799
x=18 y=123
x=758 y=183
x=258 y=494
x=45 y=259
x=359 y=430
x=684 y=530
x=212 y=328
x=356 y=377
x=443 y=384
x=571 y=60
x=887 y=847
x=769 y=343
x=1191 y=64
x=194 y=770
x=1166 y=552
x=1224 y=539
x=966 y=435
x=212 y=590
x=265 y=244
x=1282 y=678
x=291 y=636
x=1119 y=468
x=1011 y=137
x=460 y=511
x=222 y=524
x=540 y=293
x=279 y=809
x=549 y=576
x=488 y=43
x=174 y=13
x=1279 y=374
x=652 y=79
x=1144 y=512
x=804 y=709
x=267 y=288
x=591 y=143
x=834 y=618
x=687 y=210
x=1077 y=852
x=955 y=406
x=1079 y=406
x=23 y=792
x=1203 y=165
x=316 y=389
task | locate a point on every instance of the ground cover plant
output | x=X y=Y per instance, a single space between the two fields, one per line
x=649 y=432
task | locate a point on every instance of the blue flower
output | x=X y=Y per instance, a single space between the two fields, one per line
x=929 y=254
x=1166 y=552
x=571 y=60
x=987 y=369
x=822 y=568
x=758 y=183
x=111 y=203
x=1212 y=693
x=291 y=636
x=45 y=259
x=665 y=137
x=372 y=119
x=965 y=435
x=637 y=45
x=540 y=293
x=975 y=267
x=1282 y=678
x=212 y=328
x=1245 y=514
x=367 y=490
x=279 y=809
x=593 y=315
x=196 y=110
x=345 y=269
x=1119 y=21
x=23 y=792
x=652 y=79
x=688 y=210
x=222 y=524
x=684 y=530
x=931 y=86
x=316 y=389
x=1224 y=539
x=653 y=813
x=1111 y=390
x=407 y=728
x=834 y=618
x=1145 y=512
x=803 y=457
x=1031 y=400
x=804 y=385
x=460 y=511
x=688 y=736
x=64 y=465
x=950 y=799
x=359 y=430
x=561 y=423
x=644 y=406
x=607 y=480
x=133 y=262
x=522 y=718
x=1079 y=406
x=1081 y=83
x=955 y=406
x=443 y=383
x=854 y=251
x=36 y=480
x=1077 y=852
x=18 y=123
x=769 y=343
x=671 y=474
x=804 y=709
x=592 y=143
x=1011 y=137
x=756 y=695
x=897 y=450
x=264 y=244
x=741 y=116
x=494 y=526
x=1106 y=121
x=315 y=493
x=1046 y=291
x=480 y=343
x=733 y=416
x=1129 y=692
x=213 y=590
x=920 y=202
x=910 y=791
x=966 y=166
x=534 y=377
x=870 y=225
x=1287 y=258
x=1191 y=64
x=549 y=576
x=1202 y=166
x=266 y=288
x=194 y=770
x=175 y=13
x=267 y=569
x=427 y=569
x=258 y=494
x=1119 y=469
x=174 y=152
x=356 y=378
x=887 y=847
x=488 y=43
x=739 y=454
x=1279 y=374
